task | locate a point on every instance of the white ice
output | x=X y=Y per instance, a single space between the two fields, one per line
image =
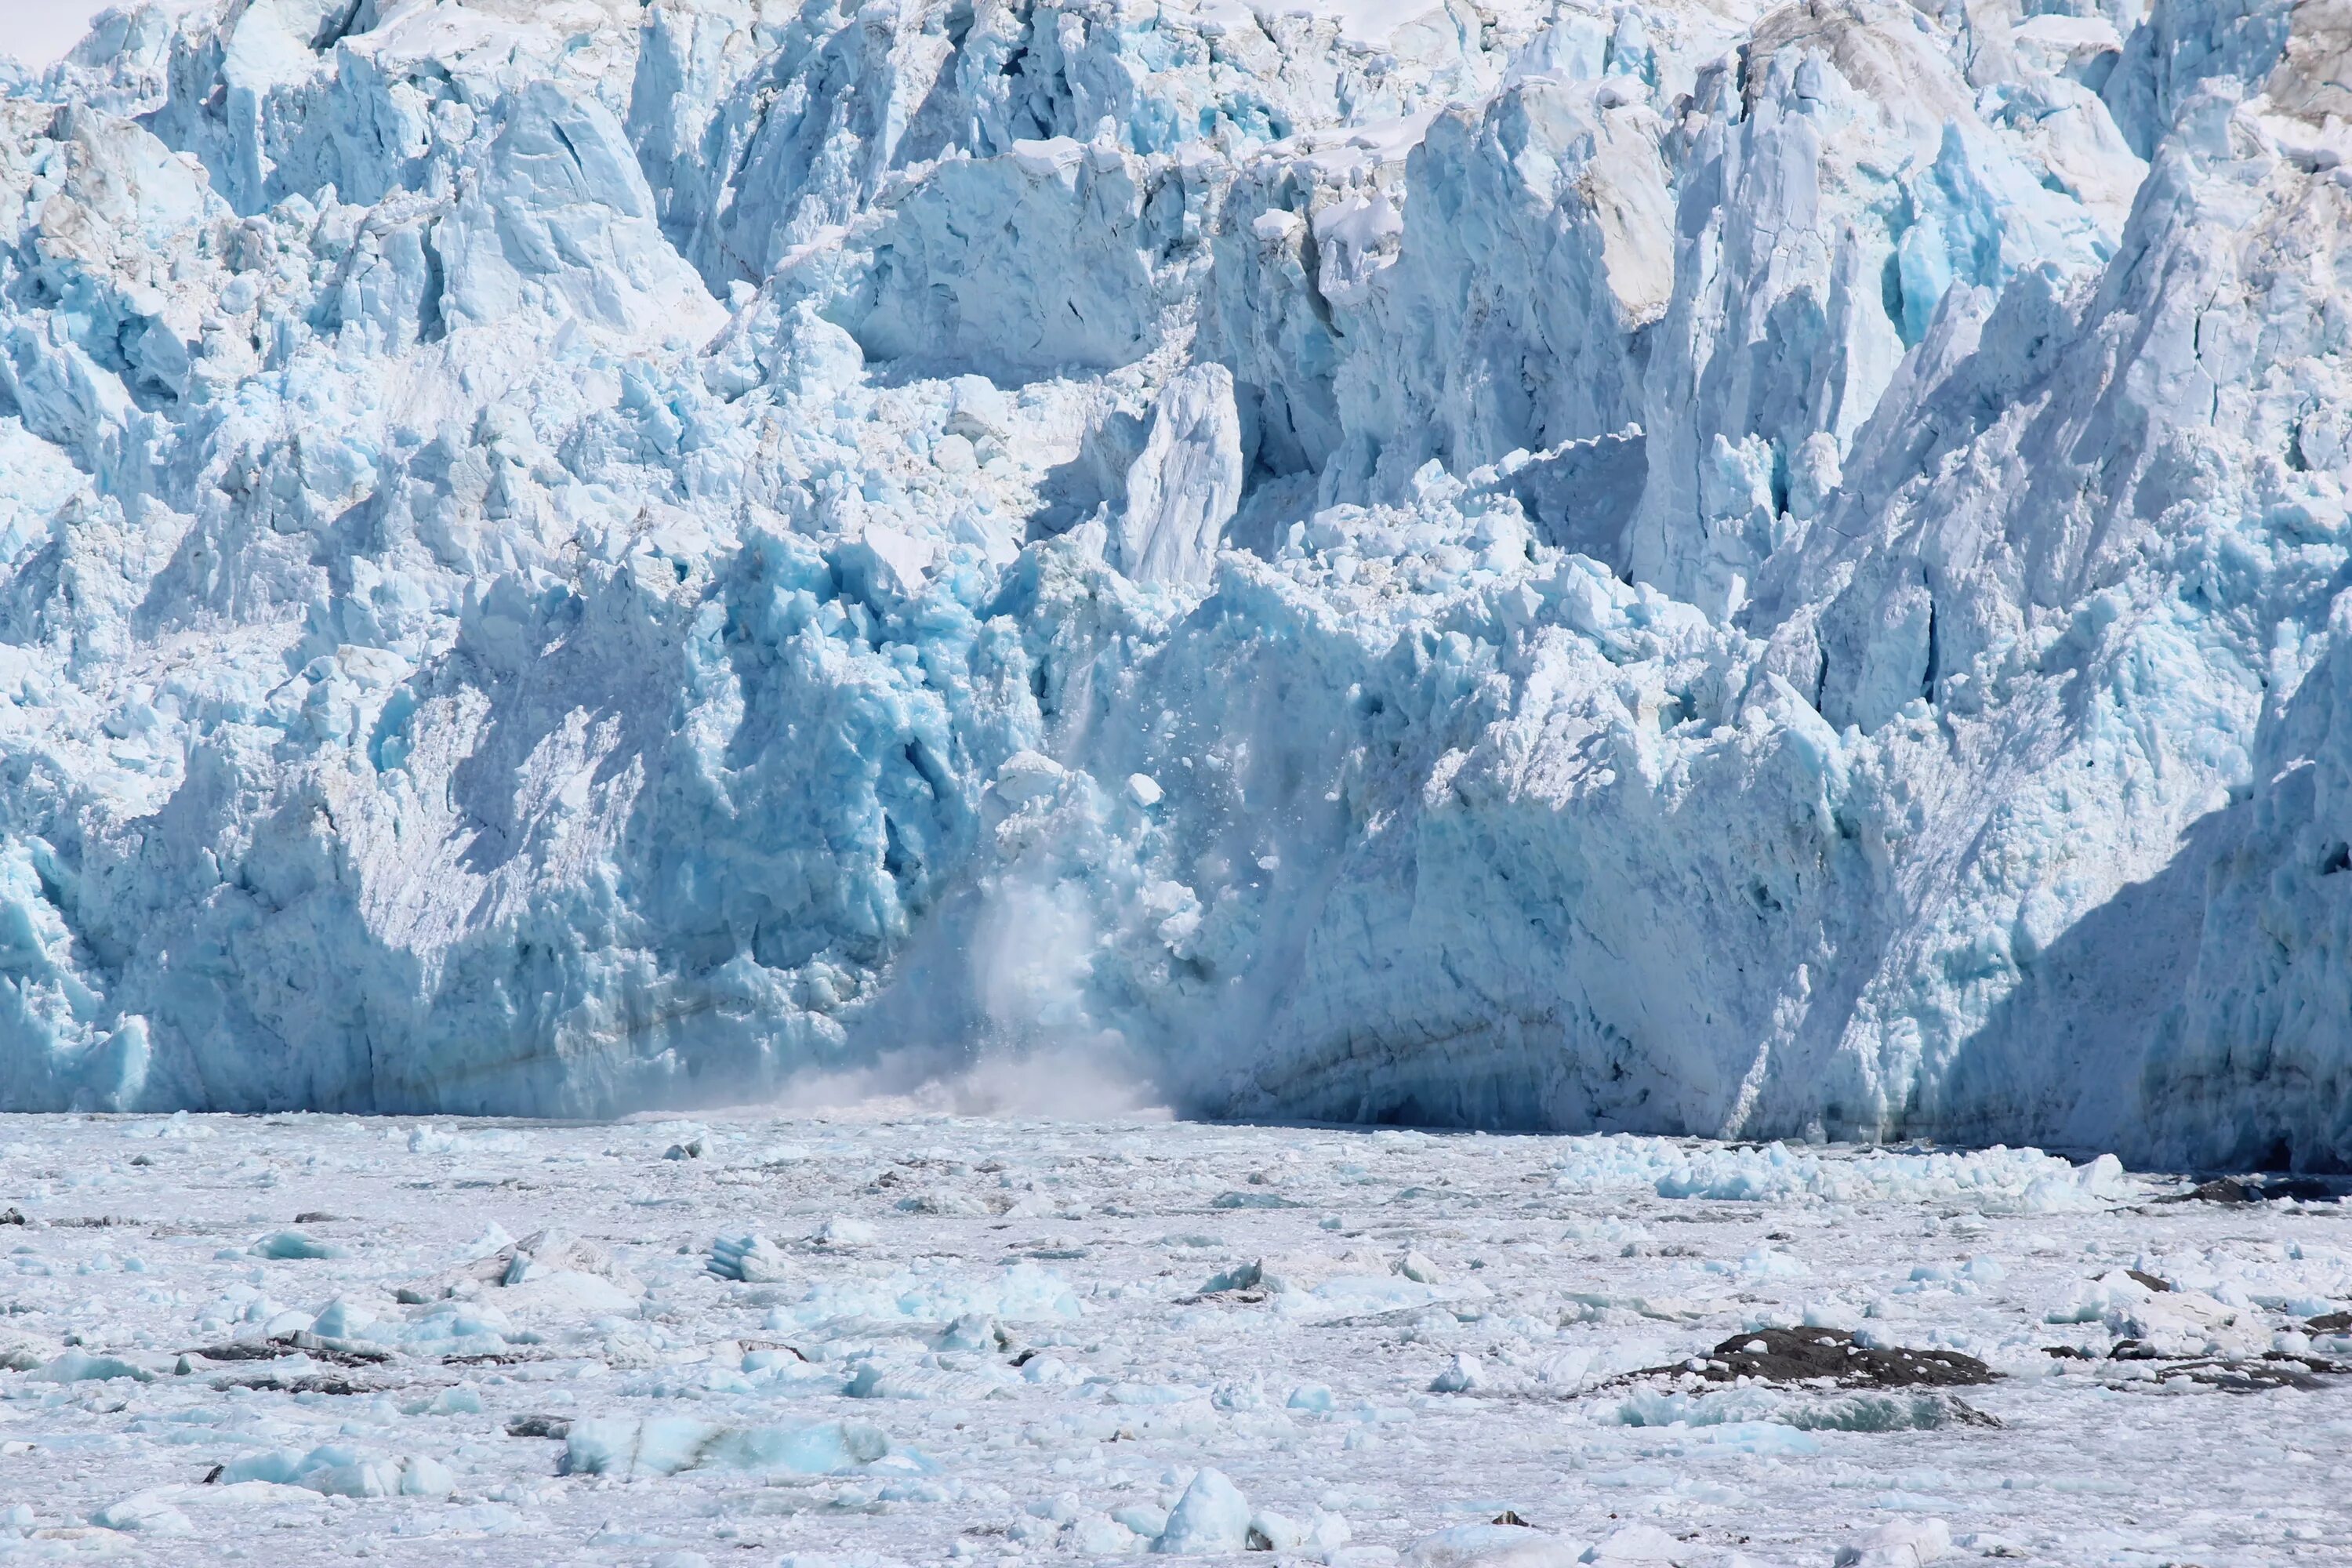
x=1675 y=568
x=1098 y=1349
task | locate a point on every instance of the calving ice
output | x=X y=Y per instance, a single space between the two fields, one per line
x=1760 y=572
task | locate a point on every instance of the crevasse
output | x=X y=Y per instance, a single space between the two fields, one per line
x=1664 y=567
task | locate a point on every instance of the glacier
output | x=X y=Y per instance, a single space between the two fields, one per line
x=1689 y=567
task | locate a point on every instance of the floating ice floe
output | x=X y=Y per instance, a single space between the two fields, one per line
x=753 y=1259
x=337 y=1469
x=1022 y=1292
x=80 y=1366
x=629 y=1448
x=549 y=1268
x=1492 y=1546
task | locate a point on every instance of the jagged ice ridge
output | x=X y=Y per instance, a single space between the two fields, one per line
x=1677 y=567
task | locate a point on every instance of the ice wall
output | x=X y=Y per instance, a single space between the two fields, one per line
x=1674 y=567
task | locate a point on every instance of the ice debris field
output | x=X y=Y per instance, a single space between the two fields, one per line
x=875 y=1339
x=1679 y=568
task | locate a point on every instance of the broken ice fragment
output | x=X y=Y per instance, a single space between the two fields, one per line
x=842 y=1231
x=1637 y=1546
x=663 y=1446
x=1491 y=1546
x=1417 y=1268
x=1184 y=489
x=1898 y=1544
x=753 y=1259
x=78 y=1366
x=145 y=1513
x=1211 y=1516
x=1462 y=1375
x=286 y=1245
x=337 y=1469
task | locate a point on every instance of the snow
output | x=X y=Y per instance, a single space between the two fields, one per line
x=1670 y=569
x=1037 y=1375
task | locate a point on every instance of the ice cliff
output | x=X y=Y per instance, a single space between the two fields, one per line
x=1674 y=566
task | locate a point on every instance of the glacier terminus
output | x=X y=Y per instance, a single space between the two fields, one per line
x=1671 y=568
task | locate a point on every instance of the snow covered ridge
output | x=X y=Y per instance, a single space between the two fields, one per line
x=1666 y=567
